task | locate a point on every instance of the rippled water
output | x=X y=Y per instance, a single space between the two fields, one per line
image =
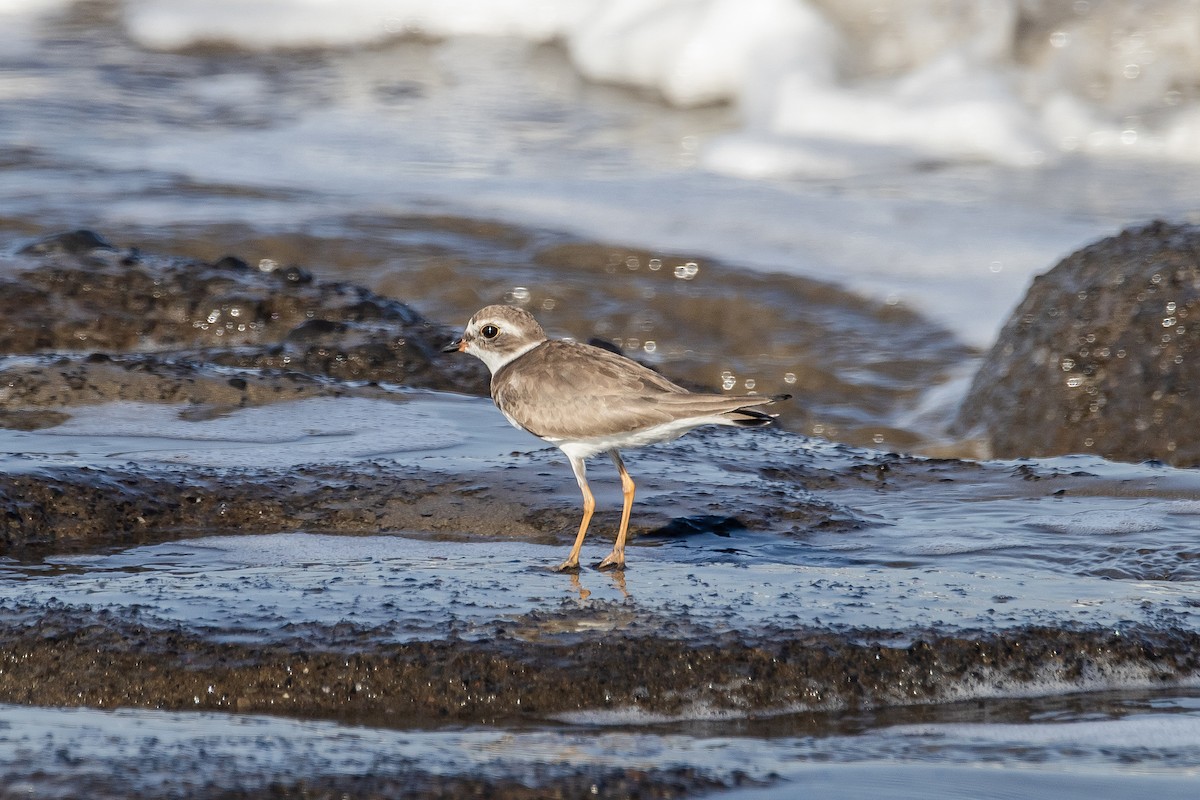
x=940 y=544
x=1139 y=744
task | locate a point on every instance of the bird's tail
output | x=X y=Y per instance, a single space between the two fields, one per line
x=747 y=417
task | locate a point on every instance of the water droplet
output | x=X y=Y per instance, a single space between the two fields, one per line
x=1168 y=322
x=1060 y=39
x=877 y=438
x=995 y=266
x=789 y=377
x=518 y=294
x=549 y=303
x=1074 y=381
x=1171 y=307
x=751 y=383
x=632 y=263
x=267 y=265
x=1068 y=364
x=687 y=271
x=655 y=264
x=650 y=346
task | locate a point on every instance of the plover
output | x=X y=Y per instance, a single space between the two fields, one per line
x=586 y=400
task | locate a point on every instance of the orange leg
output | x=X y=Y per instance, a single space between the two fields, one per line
x=616 y=559
x=589 y=505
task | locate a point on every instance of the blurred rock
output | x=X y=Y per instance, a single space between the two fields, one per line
x=80 y=242
x=1101 y=356
x=74 y=300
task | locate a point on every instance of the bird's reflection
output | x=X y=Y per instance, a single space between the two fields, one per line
x=617 y=577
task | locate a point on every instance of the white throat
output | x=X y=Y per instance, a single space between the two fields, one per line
x=496 y=361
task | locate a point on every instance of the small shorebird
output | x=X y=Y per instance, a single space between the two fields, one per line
x=586 y=400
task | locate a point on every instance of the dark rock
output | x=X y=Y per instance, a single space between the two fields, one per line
x=232 y=263
x=78 y=242
x=89 y=661
x=1101 y=356
x=315 y=329
x=79 y=294
x=703 y=523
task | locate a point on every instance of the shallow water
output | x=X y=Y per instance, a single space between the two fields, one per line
x=1140 y=744
x=985 y=550
x=937 y=548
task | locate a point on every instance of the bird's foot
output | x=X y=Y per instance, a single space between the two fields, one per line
x=567 y=566
x=614 y=560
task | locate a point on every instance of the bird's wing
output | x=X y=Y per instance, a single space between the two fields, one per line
x=566 y=390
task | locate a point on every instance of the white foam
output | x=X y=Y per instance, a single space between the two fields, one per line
x=311 y=23
x=961 y=542
x=17 y=21
x=907 y=77
x=1101 y=523
x=1051 y=679
x=34 y=7
x=820 y=90
x=1150 y=731
x=1187 y=507
x=631 y=716
x=694 y=53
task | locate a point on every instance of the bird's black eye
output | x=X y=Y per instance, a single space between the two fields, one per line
x=489 y=331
